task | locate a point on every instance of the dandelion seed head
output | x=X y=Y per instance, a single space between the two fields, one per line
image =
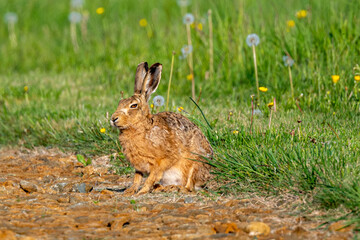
x=158 y=101
x=183 y=3
x=188 y=18
x=10 y=17
x=75 y=17
x=77 y=3
x=252 y=40
x=186 y=50
x=288 y=61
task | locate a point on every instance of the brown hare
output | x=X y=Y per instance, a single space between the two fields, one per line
x=167 y=146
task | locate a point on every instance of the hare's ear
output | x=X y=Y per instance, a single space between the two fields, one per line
x=152 y=80
x=141 y=71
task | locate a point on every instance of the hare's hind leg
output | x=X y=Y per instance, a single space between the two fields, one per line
x=190 y=182
x=136 y=184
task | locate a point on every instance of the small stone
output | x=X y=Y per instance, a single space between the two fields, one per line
x=28 y=186
x=232 y=203
x=226 y=228
x=83 y=188
x=59 y=187
x=106 y=192
x=188 y=200
x=257 y=229
x=119 y=223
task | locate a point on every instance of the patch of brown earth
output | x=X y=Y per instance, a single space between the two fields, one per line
x=49 y=195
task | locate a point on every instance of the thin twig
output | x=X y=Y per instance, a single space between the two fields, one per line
x=256 y=72
x=171 y=73
x=291 y=82
x=190 y=61
x=333 y=130
x=211 y=46
x=252 y=114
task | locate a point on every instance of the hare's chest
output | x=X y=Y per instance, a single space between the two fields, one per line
x=138 y=153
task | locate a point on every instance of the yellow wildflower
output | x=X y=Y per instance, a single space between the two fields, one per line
x=180 y=109
x=230 y=113
x=143 y=22
x=100 y=10
x=26 y=88
x=357 y=78
x=152 y=105
x=189 y=77
x=328 y=92
x=235 y=132
x=333 y=113
x=200 y=27
x=301 y=14
x=290 y=23
x=263 y=89
x=270 y=104
x=102 y=130
x=335 y=78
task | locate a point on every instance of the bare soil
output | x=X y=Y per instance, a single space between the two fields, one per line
x=46 y=194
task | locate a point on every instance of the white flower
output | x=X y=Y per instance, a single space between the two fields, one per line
x=252 y=39
x=10 y=17
x=288 y=61
x=75 y=17
x=188 y=18
x=158 y=101
x=185 y=50
x=183 y=3
x=77 y=3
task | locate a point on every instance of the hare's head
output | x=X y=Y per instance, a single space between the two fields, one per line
x=135 y=109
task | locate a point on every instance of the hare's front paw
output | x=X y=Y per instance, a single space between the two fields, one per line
x=144 y=190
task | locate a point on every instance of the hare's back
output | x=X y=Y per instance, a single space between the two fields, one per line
x=185 y=132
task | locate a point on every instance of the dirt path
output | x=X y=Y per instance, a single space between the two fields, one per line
x=49 y=195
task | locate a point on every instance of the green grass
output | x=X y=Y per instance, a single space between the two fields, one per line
x=70 y=93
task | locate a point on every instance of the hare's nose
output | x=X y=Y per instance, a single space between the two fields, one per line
x=114 y=119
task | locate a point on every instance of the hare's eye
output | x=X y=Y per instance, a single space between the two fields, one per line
x=133 y=105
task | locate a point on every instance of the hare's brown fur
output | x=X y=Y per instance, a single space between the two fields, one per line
x=166 y=146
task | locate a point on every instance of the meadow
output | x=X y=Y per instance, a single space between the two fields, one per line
x=61 y=79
